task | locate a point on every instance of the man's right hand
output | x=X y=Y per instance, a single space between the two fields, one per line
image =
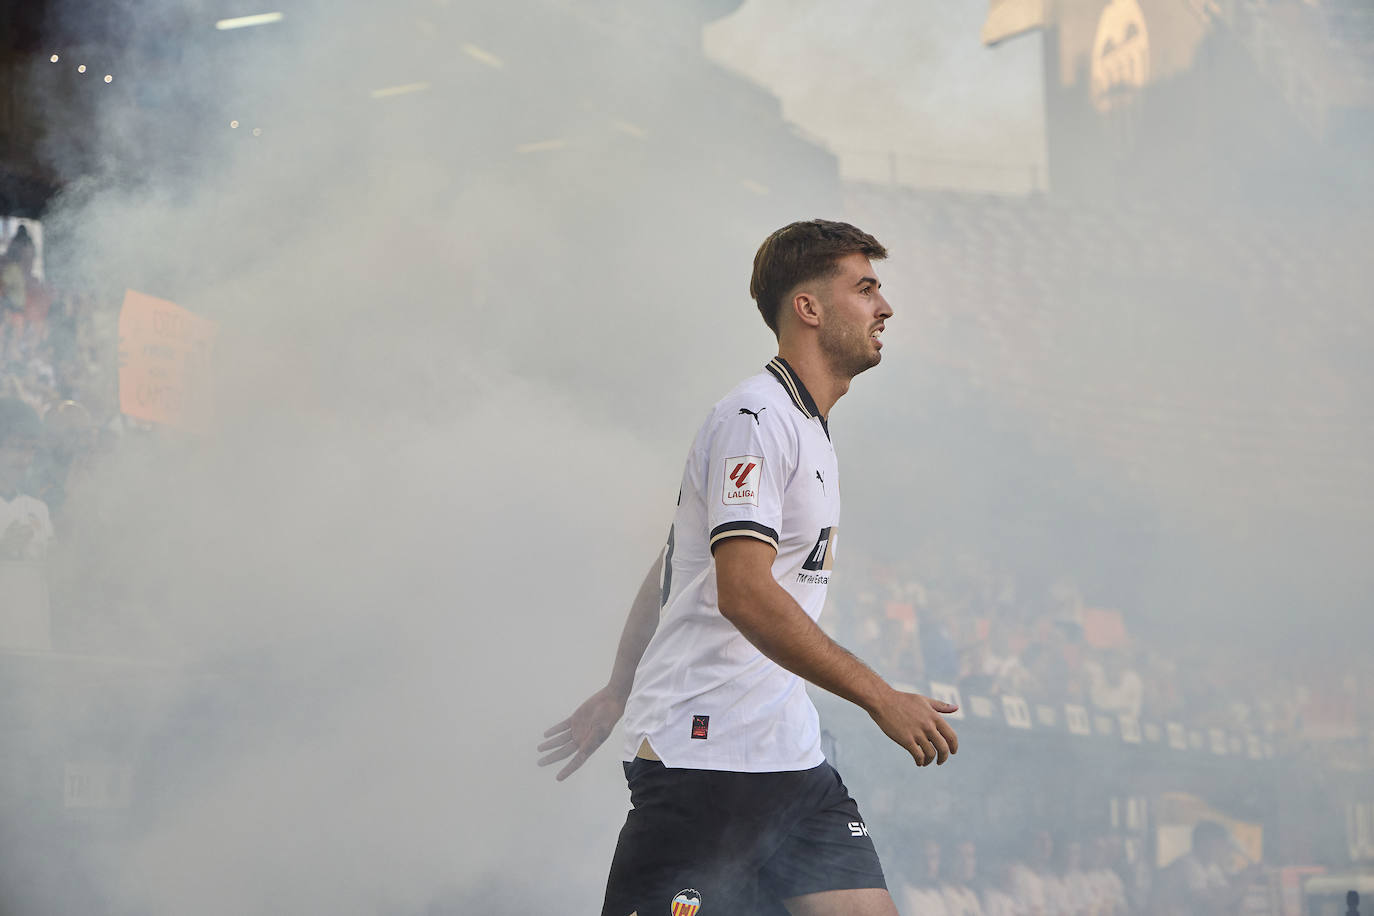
x=583 y=732
x=917 y=723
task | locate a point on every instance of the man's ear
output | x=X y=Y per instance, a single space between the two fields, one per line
x=807 y=308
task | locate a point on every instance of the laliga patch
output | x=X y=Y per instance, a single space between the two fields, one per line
x=699 y=726
x=686 y=902
x=742 y=475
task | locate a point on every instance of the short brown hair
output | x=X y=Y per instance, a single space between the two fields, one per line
x=803 y=251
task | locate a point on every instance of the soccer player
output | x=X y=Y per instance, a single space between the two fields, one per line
x=735 y=810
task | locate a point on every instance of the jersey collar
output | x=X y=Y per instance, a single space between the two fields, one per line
x=792 y=383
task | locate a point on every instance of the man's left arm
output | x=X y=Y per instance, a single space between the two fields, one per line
x=591 y=724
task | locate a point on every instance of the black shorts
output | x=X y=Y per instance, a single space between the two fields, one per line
x=735 y=843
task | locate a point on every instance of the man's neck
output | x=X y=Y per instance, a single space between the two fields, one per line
x=825 y=386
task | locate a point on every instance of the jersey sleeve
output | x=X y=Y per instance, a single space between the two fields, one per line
x=750 y=457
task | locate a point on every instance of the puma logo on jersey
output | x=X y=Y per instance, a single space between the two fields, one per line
x=822 y=480
x=753 y=413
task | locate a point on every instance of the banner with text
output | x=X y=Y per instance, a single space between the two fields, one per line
x=165 y=356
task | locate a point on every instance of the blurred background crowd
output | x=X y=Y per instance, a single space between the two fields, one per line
x=953 y=618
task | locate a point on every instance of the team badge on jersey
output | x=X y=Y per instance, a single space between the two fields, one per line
x=686 y=902
x=742 y=476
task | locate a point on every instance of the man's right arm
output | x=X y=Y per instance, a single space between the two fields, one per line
x=766 y=615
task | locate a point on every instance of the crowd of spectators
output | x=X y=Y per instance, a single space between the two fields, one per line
x=54 y=346
x=1044 y=874
x=958 y=620
x=954 y=878
x=59 y=420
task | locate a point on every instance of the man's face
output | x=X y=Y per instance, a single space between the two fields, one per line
x=852 y=314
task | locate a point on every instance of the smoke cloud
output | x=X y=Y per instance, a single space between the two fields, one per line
x=479 y=277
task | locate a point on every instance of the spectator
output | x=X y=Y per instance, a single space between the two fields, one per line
x=25 y=533
x=1107 y=887
x=998 y=667
x=71 y=437
x=25 y=526
x=1116 y=687
x=1196 y=883
x=960 y=898
x=938 y=649
x=999 y=895
x=19 y=281
x=921 y=892
x=1077 y=893
x=1027 y=879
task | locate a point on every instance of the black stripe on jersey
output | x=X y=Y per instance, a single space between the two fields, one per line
x=796 y=390
x=743 y=529
x=667 y=588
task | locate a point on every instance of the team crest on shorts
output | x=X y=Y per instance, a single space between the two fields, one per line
x=686 y=902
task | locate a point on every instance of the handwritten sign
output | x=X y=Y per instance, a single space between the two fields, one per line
x=165 y=357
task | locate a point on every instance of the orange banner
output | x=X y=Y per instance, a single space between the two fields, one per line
x=165 y=356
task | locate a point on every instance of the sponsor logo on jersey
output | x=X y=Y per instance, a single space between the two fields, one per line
x=820 y=556
x=857 y=828
x=686 y=902
x=742 y=475
x=699 y=726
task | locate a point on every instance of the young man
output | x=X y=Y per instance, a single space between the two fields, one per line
x=735 y=810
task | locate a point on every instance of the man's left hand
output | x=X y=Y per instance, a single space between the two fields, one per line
x=582 y=733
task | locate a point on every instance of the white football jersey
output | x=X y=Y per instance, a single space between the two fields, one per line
x=704 y=697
